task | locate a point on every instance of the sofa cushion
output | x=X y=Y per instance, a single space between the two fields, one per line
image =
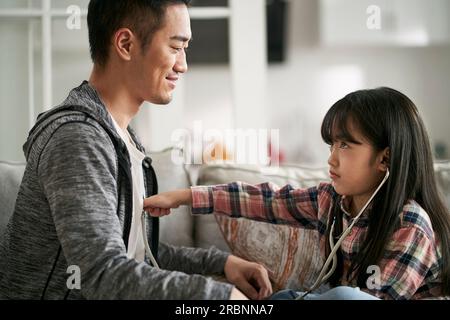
x=442 y=170
x=10 y=177
x=175 y=229
x=290 y=254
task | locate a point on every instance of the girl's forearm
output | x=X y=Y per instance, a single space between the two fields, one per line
x=185 y=197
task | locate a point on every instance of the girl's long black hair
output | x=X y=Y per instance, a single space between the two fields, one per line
x=389 y=119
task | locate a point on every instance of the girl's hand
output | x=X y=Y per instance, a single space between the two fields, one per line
x=159 y=205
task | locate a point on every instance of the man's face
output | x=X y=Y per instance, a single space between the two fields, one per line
x=157 y=70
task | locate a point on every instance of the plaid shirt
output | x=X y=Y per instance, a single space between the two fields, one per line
x=410 y=267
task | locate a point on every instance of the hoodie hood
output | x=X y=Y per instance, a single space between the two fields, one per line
x=84 y=99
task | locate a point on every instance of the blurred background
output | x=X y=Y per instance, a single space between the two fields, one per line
x=253 y=64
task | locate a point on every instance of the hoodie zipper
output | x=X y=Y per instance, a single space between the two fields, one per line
x=149 y=173
x=126 y=167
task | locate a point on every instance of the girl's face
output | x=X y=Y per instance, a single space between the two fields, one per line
x=356 y=168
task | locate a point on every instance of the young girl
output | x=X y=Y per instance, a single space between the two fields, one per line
x=381 y=220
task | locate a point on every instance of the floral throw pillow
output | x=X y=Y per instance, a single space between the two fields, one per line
x=291 y=255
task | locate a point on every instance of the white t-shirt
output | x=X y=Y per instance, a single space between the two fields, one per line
x=136 y=246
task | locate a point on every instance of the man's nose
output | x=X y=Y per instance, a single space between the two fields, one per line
x=181 y=63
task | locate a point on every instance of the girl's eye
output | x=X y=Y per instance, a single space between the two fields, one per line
x=343 y=145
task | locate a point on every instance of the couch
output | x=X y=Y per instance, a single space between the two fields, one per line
x=287 y=252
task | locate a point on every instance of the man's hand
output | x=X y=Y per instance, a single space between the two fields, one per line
x=236 y=294
x=251 y=278
x=159 y=205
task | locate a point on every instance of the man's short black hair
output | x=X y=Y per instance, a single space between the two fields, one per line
x=105 y=17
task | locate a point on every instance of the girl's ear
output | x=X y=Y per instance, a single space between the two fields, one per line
x=385 y=157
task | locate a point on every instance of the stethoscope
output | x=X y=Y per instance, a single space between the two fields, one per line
x=332 y=257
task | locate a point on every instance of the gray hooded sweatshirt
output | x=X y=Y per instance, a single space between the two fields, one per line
x=73 y=213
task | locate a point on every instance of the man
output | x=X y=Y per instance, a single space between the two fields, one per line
x=80 y=201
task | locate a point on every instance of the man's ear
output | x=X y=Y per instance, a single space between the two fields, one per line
x=124 y=41
x=384 y=160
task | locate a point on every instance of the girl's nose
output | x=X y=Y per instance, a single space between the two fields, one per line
x=332 y=159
